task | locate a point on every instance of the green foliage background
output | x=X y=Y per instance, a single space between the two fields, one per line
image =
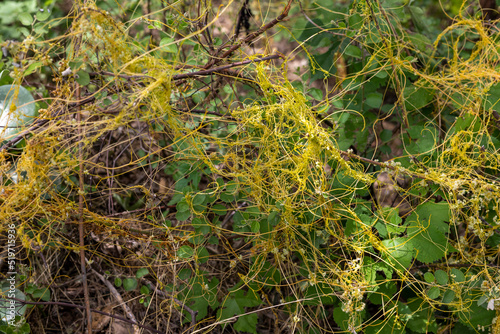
x=239 y=199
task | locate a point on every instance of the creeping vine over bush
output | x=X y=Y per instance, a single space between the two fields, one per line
x=219 y=185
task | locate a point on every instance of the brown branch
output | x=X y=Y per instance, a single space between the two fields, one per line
x=223 y=68
x=249 y=38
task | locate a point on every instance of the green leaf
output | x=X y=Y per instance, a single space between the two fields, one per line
x=42 y=14
x=429 y=277
x=33 y=67
x=311 y=34
x=441 y=277
x=386 y=135
x=235 y=303
x=393 y=221
x=448 y=296
x=185 y=252
x=167 y=44
x=255 y=227
x=457 y=275
x=419 y=314
x=421 y=139
x=201 y=226
x=417 y=97
x=141 y=272
x=41 y=28
x=482 y=300
x=199 y=199
x=182 y=206
x=130 y=284
x=118 y=282
x=421 y=42
x=219 y=209
x=427 y=229
x=355 y=21
x=399 y=252
x=374 y=100
x=202 y=254
x=493 y=97
x=353 y=51
x=25 y=18
x=433 y=292
x=182 y=216
x=200 y=295
x=83 y=78
x=316 y=93
x=474 y=315
x=145 y=290
x=417 y=14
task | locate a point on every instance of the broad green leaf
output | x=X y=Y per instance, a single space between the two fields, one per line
x=118 y=282
x=33 y=67
x=448 y=296
x=141 y=272
x=83 y=78
x=419 y=315
x=421 y=42
x=433 y=292
x=200 y=295
x=386 y=135
x=427 y=230
x=167 y=44
x=474 y=315
x=235 y=304
x=457 y=275
x=441 y=277
x=417 y=16
x=42 y=14
x=353 y=51
x=202 y=254
x=219 y=209
x=182 y=215
x=182 y=206
x=417 y=97
x=25 y=18
x=421 y=139
x=199 y=199
x=311 y=34
x=355 y=21
x=41 y=28
x=399 y=252
x=185 y=252
x=255 y=227
x=374 y=100
x=145 y=290
x=493 y=97
x=129 y=284
x=316 y=93
x=429 y=277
